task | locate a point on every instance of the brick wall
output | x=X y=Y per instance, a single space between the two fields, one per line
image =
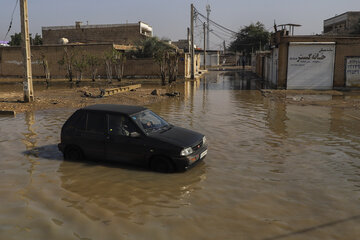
x=11 y=61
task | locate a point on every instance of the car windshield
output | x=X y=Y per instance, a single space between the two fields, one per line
x=149 y=121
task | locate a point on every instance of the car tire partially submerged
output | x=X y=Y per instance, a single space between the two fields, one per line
x=73 y=153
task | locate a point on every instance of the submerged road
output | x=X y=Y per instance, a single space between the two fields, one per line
x=274 y=171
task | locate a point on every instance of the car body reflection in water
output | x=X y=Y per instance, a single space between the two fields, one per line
x=127 y=192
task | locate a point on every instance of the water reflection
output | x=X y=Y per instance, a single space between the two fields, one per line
x=30 y=140
x=125 y=192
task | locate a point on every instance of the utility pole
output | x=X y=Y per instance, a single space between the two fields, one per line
x=192 y=42
x=208 y=10
x=205 y=46
x=25 y=46
x=188 y=40
x=224 y=46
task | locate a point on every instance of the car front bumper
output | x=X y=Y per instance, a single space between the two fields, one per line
x=185 y=162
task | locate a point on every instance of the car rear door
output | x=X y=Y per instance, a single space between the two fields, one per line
x=93 y=137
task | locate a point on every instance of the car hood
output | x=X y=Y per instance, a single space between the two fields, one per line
x=178 y=136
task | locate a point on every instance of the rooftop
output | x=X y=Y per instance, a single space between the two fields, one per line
x=95 y=26
x=341 y=17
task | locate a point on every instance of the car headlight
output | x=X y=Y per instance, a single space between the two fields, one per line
x=204 y=140
x=186 y=151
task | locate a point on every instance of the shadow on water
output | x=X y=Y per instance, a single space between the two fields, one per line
x=310 y=229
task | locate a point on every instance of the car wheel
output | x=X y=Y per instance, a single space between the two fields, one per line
x=161 y=164
x=73 y=154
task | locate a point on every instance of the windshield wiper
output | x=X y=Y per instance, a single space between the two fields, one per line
x=166 y=128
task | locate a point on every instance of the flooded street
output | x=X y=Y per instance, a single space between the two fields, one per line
x=274 y=171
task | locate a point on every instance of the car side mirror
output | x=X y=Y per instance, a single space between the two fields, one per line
x=134 y=134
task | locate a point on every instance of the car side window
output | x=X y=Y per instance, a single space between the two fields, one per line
x=96 y=122
x=80 y=121
x=120 y=125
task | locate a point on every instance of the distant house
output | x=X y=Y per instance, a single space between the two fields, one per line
x=212 y=58
x=182 y=44
x=344 y=23
x=126 y=34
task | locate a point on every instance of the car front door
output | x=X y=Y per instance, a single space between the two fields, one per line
x=120 y=146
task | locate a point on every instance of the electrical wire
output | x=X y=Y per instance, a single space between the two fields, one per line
x=218 y=36
x=228 y=35
x=215 y=23
x=12 y=18
x=224 y=32
x=218 y=30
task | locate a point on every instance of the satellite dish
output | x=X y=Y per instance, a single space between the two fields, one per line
x=63 y=41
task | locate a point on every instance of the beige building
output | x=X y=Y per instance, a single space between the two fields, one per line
x=311 y=62
x=128 y=33
x=344 y=23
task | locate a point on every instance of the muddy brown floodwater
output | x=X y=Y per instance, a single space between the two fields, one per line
x=274 y=171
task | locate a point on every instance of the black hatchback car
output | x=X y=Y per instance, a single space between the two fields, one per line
x=132 y=135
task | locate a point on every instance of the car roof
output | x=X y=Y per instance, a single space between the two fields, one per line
x=116 y=108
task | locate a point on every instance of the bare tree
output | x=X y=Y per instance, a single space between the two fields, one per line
x=68 y=61
x=42 y=60
x=160 y=58
x=109 y=63
x=80 y=65
x=119 y=61
x=173 y=65
x=93 y=62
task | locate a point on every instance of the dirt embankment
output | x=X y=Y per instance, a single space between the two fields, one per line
x=73 y=98
x=330 y=98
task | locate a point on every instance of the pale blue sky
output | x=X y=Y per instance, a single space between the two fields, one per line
x=171 y=18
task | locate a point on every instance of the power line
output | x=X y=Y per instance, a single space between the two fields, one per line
x=11 y=21
x=228 y=35
x=215 y=23
x=221 y=32
x=217 y=35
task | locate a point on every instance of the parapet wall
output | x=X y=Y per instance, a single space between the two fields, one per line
x=118 y=34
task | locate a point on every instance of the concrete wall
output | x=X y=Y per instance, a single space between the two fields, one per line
x=228 y=58
x=345 y=47
x=11 y=58
x=212 y=59
x=148 y=67
x=260 y=63
x=118 y=34
x=11 y=61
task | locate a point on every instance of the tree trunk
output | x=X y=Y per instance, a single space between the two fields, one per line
x=79 y=77
x=109 y=70
x=93 y=74
x=70 y=73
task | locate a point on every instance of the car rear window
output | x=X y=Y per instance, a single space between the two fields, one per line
x=77 y=120
x=96 y=122
x=80 y=121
